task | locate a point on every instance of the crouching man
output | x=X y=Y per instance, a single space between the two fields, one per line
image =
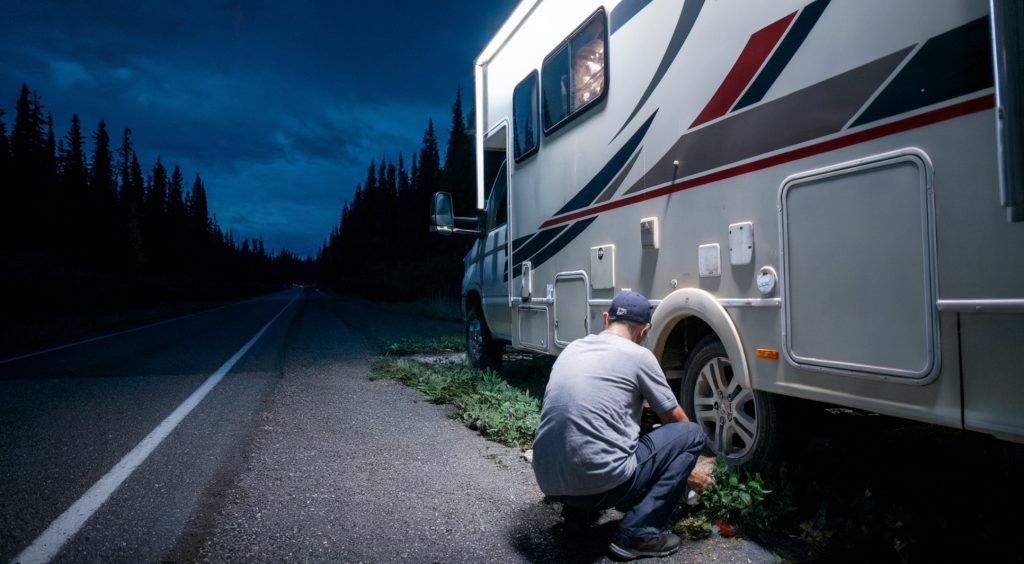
x=588 y=452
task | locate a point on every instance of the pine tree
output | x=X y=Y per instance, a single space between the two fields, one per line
x=132 y=190
x=72 y=192
x=199 y=213
x=403 y=176
x=72 y=159
x=20 y=226
x=430 y=162
x=103 y=198
x=458 y=177
x=138 y=185
x=175 y=197
x=156 y=196
x=23 y=136
x=102 y=190
x=5 y=149
x=49 y=158
x=155 y=225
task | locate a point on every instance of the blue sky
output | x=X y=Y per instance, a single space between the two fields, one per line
x=279 y=106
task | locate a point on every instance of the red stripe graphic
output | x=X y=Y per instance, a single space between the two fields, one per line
x=967 y=107
x=758 y=47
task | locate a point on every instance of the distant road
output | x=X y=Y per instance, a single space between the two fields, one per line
x=294 y=454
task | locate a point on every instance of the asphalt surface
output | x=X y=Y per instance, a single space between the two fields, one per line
x=295 y=455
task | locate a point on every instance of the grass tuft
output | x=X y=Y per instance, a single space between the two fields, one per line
x=505 y=412
x=444 y=344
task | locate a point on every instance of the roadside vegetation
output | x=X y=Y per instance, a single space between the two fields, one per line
x=482 y=399
x=853 y=487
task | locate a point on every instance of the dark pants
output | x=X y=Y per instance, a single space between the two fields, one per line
x=664 y=459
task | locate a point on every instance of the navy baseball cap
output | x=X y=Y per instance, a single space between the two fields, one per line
x=630 y=306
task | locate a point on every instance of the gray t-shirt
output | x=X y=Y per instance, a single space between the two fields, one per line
x=590 y=423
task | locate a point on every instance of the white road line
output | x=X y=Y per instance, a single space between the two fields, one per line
x=44 y=548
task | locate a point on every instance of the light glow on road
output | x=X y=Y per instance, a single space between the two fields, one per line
x=44 y=548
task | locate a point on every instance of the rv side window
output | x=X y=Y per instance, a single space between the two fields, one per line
x=524 y=117
x=574 y=76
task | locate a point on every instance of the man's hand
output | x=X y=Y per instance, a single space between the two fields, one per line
x=648 y=419
x=699 y=481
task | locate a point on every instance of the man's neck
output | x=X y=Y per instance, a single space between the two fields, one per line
x=620 y=330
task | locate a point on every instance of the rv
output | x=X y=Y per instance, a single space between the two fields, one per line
x=823 y=200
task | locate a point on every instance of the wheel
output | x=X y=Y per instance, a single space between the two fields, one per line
x=481 y=350
x=742 y=425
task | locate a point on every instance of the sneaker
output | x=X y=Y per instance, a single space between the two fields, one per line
x=662 y=545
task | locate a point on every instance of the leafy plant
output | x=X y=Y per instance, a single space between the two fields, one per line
x=737 y=499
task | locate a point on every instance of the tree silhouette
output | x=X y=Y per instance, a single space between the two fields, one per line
x=380 y=246
x=458 y=175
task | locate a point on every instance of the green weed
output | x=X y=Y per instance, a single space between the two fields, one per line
x=442 y=344
x=739 y=499
x=482 y=399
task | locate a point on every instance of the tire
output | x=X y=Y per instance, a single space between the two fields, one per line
x=742 y=425
x=481 y=350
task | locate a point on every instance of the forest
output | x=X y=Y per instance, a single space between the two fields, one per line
x=83 y=225
x=381 y=247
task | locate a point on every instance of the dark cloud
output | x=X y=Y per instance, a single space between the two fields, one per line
x=279 y=106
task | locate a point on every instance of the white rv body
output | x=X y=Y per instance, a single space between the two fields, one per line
x=843 y=152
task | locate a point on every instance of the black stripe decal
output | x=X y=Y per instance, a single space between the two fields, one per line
x=557 y=245
x=783 y=54
x=947 y=66
x=687 y=18
x=519 y=254
x=614 y=186
x=625 y=12
x=563 y=240
x=593 y=189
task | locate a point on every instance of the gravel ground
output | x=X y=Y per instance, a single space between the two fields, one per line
x=345 y=469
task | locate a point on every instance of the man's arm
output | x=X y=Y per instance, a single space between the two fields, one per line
x=673 y=415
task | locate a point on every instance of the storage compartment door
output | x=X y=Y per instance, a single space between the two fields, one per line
x=858 y=267
x=533 y=327
x=571 y=319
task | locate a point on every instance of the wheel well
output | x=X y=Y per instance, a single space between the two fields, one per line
x=472 y=299
x=683 y=337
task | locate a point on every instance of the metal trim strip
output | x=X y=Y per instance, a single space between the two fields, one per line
x=982 y=306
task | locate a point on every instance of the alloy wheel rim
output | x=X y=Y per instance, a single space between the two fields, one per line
x=724 y=409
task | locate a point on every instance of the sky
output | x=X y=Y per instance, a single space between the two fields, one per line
x=278 y=106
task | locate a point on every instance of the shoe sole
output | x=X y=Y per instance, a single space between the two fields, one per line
x=627 y=554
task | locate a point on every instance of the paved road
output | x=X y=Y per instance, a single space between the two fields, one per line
x=294 y=455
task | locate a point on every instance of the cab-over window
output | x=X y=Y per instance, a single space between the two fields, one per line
x=574 y=77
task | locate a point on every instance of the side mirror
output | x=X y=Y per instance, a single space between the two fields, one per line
x=442 y=218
